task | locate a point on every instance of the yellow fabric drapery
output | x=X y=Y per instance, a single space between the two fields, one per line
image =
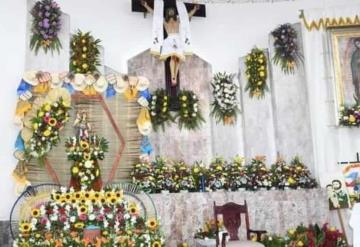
x=327 y=22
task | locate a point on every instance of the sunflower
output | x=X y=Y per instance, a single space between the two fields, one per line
x=46 y=133
x=156 y=244
x=86 y=156
x=79 y=225
x=84 y=144
x=25 y=227
x=83 y=209
x=52 y=122
x=78 y=195
x=109 y=194
x=133 y=209
x=152 y=224
x=119 y=194
x=87 y=195
x=35 y=212
x=112 y=200
x=62 y=199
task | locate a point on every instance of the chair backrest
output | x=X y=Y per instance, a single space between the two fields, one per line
x=231 y=213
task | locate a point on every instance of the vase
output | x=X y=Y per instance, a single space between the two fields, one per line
x=91 y=233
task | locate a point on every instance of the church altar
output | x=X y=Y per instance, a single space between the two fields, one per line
x=181 y=214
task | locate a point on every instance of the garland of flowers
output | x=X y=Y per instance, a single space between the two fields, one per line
x=160 y=109
x=46 y=25
x=350 y=116
x=313 y=235
x=256 y=73
x=173 y=176
x=189 y=115
x=85 y=152
x=225 y=104
x=70 y=218
x=84 y=53
x=287 y=53
x=46 y=127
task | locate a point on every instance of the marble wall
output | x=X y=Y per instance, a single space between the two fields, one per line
x=182 y=214
x=195 y=74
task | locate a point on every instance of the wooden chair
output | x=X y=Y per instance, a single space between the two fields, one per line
x=231 y=213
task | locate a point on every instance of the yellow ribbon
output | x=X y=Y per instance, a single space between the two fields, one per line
x=89 y=91
x=22 y=107
x=41 y=88
x=130 y=93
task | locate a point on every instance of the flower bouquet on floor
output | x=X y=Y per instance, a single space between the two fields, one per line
x=217 y=175
x=163 y=175
x=142 y=176
x=258 y=174
x=236 y=174
x=300 y=176
x=182 y=177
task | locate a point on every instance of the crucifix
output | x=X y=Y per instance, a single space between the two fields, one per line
x=171 y=41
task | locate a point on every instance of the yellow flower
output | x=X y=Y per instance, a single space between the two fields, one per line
x=300 y=243
x=84 y=144
x=37 y=235
x=47 y=107
x=85 y=66
x=291 y=232
x=41 y=113
x=352 y=119
x=83 y=41
x=156 y=244
x=74 y=62
x=260 y=61
x=259 y=83
x=83 y=55
x=196 y=170
x=262 y=74
x=291 y=180
x=133 y=209
x=25 y=227
x=86 y=156
x=47 y=133
x=84 y=48
x=119 y=194
x=79 y=225
x=97 y=173
x=83 y=209
x=152 y=224
x=75 y=170
x=219 y=168
x=52 y=122
x=35 y=212
x=35 y=126
x=184 y=98
x=254 y=237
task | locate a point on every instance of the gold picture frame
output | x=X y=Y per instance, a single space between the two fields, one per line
x=343 y=50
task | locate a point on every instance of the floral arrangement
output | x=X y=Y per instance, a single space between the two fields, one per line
x=236 y=174
x=89 y=218
x=311 y=236
x=209 y=230
x=225 y=104
x=258 y=174
x=174 y=176
x=160 y=109
x=350 y=116
x=46 y=25
x=189 y=115
x=256 y=73
x=85 y=152
x=182 y=177
x=46 y=125
x=217 y=174
x=287 y=53
x=142 y=176
x=84 y=53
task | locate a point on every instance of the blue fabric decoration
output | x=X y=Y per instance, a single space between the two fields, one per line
x=145 y=146
x=69 y=87
x=19 y=143
x=146 y=94
x=110 y=91
x=202 y=183
x=23 y=87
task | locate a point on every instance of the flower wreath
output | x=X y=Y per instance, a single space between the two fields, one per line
x=286 y=48
x=256 y=73
x=225 y=104
x=84 y=53
x=189 y=116
x=159 y=109
x=45 y=26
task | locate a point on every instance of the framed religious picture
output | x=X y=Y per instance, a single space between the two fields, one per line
x=337 y=195
x=345 y=55
x=351 y=174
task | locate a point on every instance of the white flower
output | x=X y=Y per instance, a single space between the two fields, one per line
x=53 y=217
x=88 y=164
x=109 y=216
x=63 y=189
x=106 y=223
x=72 y=219
x=92 y=217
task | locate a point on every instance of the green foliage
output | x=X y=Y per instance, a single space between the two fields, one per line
x=189 y=115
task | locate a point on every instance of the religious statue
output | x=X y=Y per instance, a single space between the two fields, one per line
x=355 y=68
x=176 y=45
x=82 y=125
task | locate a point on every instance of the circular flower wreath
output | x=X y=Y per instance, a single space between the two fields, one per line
x=45 y=26
x=84 y=53
x=189 y=116
x=225 y=104
x=286 y=48
x=256 y=73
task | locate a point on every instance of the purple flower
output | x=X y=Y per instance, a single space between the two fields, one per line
x=45 y=36
x=47 y=14
x=46 y=23
x=47 y=7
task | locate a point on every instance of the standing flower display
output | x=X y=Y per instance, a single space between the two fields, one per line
x=84 y=53
x=142 y=176
x=280 y=174
x=258 y=174
x=256 y=73
x=217 y=174
x=45 y=27
x=225 y=104
x=301 y=175
x=189 y=115
x=85 y=150
x=163 y=175
x=160 y=109
x=182 y=177
x=287 y=53
x=199 y=173
x=236 y=174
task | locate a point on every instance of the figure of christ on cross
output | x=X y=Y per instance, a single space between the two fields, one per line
x=174 y=46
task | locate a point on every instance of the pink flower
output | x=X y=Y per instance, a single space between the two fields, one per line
x=83 y=217
x=63 y=218
x=43 y=221
x=100 y=217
